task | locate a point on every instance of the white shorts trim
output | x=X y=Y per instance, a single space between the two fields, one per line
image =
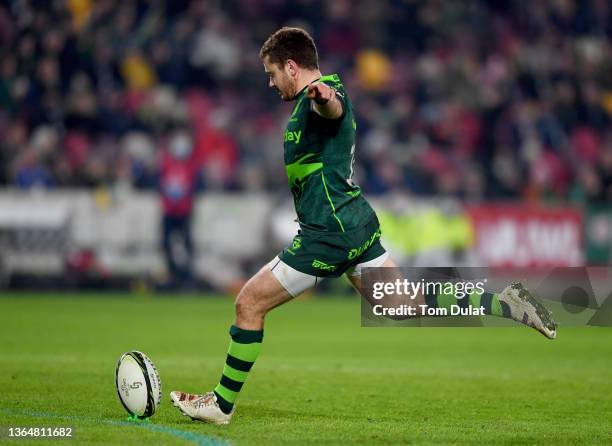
x=358 y=269
x=294 y=281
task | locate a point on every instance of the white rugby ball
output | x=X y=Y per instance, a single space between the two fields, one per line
x=138 y=384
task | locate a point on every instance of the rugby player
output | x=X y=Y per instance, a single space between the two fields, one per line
x=339 y=232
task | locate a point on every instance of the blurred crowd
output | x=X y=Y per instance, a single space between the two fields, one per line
x=474 y=99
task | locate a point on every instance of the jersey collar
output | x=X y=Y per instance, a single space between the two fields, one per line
x=327 y=77
x=301 y=92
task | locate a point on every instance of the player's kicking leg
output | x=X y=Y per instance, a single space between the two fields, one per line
x=265 y=291
x=515 y=302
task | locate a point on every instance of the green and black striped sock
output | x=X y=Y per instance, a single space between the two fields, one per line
x=490 y=301
x=243 y=351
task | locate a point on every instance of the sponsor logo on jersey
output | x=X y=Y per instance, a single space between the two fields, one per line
x=291 y=136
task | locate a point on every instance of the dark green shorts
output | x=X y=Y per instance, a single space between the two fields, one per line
x=331 y=254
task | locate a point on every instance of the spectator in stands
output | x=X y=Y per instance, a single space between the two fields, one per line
x=31 y=172
x=177 y=187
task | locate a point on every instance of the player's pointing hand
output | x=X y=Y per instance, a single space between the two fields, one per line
x=320 y=92
x=324 y=97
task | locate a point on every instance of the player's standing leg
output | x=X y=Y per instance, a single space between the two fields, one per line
x=262 y=293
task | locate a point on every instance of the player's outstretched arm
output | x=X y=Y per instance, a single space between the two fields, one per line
x=326 y=102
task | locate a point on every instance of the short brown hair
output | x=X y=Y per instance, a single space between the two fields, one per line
x=291 y=43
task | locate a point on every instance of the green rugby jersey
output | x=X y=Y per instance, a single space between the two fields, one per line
x=319 y=157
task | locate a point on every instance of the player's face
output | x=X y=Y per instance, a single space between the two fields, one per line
x=280 y=79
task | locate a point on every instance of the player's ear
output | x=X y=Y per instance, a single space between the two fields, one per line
x=292 y=68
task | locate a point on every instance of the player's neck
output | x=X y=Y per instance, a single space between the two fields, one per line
x=306 y=78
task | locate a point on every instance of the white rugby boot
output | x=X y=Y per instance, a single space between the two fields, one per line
x=200 y=407
x=527 y=309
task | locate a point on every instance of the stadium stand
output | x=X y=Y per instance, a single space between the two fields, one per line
x=478 y=99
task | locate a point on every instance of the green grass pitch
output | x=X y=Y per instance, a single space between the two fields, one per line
x=321 y=378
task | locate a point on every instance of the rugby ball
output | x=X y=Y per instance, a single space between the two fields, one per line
x=138 y=384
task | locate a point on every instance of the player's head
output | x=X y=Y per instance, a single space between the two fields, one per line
x=286 y=55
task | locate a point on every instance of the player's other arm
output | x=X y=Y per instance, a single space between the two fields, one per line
x=325 y=100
